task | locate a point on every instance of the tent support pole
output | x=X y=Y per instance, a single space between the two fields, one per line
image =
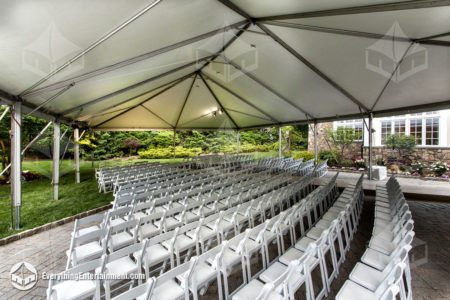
x=16 y=161
x=279 y=141
x=56 y=139
x=174 y=137
x=370 y=144
x=238 y=137
x=76 y=153
x=316 y=148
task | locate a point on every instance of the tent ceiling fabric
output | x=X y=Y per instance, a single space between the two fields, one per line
x=221 y=64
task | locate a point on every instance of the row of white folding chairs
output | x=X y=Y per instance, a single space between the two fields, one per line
x=170 y=174
x=124 y=238
x=107 y=179
x=175 y=174
x=295 y=266
x=388 y=248
x=173 y=244
x=152 y=224
x=187 y=190
x=249 y=169
x=140 y=205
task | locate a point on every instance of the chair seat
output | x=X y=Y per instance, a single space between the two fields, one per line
x=74 y=289
x=252 y=290
x=203 y=274
x=249 y=245
x=273 y=272
x=268 y=236
x=366 y=276
x=87 y=251
x=315 y=232
x=352 y=290
x=323 y=224
x=204 y=234
x=229 y=259
x=223 y=225
x=156 y=254
x=182 y=243
x=124 y=265
x=139 y=214
x=293 y=254
x=168 y=290
x=121 y=239
x=375 y=259
x=148 y=230
x=304 y=243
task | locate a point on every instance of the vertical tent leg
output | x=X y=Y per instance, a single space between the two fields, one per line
x=16 y=161
x=174 y=137
x=316 y=149
x=279 y=141
x=370 y=145
x=56 y=140
x=76 y=153
x=238 y=137
x=92 y=153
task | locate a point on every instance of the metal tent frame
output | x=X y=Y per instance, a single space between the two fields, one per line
x=253 y=101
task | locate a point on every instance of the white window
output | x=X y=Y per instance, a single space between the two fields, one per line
x=423 y=126
x=432 y=131
x=357 y=125
x=399 y=127
x=386 y=130
x=415 y=130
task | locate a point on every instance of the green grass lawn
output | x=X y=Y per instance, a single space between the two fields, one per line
x=38 y=206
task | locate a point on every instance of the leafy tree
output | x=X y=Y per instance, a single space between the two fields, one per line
x=131 y=144
x=403 y=144
x=342 y=138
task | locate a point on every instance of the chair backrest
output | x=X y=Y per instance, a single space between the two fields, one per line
x=392 y=278
x=127 y=251
x=97 y=218
x=172 y=274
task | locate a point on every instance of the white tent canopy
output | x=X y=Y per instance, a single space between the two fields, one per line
x=218 y=64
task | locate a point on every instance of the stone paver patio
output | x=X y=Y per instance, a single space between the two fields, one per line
x=431 y=277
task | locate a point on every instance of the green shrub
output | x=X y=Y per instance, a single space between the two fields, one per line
x=360 y=163
x=245 y=148
x=159 y=153
x=347 y=163
x=333 y=156
x=305 y=154
x=380 y=162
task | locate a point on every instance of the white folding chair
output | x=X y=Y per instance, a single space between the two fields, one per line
x=75 y=288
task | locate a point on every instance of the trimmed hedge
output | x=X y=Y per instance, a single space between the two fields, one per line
x=180 y=152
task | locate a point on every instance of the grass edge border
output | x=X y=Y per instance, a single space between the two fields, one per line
x=48 y=226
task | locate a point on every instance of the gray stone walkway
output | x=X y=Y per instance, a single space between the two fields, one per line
x=431 y=277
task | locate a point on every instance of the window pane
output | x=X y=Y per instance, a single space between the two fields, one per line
x=399 y=127
x=432 y=131
x=415 y=130
x=385 y=130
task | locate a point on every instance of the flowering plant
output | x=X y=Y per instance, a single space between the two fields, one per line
x=29 y=176
x=418 y=167
x=439 y=168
